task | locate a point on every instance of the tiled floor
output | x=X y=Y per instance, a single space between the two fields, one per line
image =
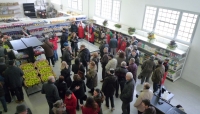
x=186 y=94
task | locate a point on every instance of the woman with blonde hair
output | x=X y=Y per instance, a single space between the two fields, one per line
x=65 y=72
x=95 y=59
x=91 y=77
x=79 y=89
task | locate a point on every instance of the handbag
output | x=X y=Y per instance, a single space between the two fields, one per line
x=80 y=73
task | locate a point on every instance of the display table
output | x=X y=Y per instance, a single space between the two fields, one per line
x=31 y=42
x=18 y=44
x=91 y=47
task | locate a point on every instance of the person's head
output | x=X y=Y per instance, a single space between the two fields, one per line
x=5 y=35
x=82 y=47
x=104 y=42
x=110 y=56
x=146 y=103
x=160 y=62
x=132 y=60
x=90 y=103
x=63 y=65
x=91 y=25
x=96 y=92
x=129 y=76
x=11 y=63
x=21 y=109
x=166 y=60
x=95 y=54
x=92 y=65
x=68 y=94
x=77 y=61
x=135 y=47
x=123 y=64
x=65 y=44
x=64 y=30
x=112 y=71
x=105 y=50
x=68 y=48
x=133 y=52
x=61 y=78
x=133 y=38
x=146 y=85
x=73 y=22
x=152 y=57
x=51 y=79
x=119 y=35
x=46 y=39
x=2 y=60
x=73 y=34
x=58 y=104
x=76 y=77
x=24 y=28
x=121 y=54
x=128 y=44
x=114 y=36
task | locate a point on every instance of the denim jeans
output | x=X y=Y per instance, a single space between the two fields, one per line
x=3 y=102
x=55 y=55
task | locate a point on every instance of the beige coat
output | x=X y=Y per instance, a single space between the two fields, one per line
x=145 y=94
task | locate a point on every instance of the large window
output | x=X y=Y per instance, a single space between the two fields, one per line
x=75 y=4
x=109 y=9
x=56 y=2
x=173 y=24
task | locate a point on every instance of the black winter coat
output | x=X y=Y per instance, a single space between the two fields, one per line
x=101 y=48
x=2 y=68
x=109 y=85
x=76 y=68
x=128 y=91
x=80 y=93
x=104 y=60
x=74 y=28
x=66 y=73
x=62 y=87
x=63 y=39
x=67 y=57
x=74 y=43
x=84 y=56
x=13 y=77
x=51 y=92
x=120 y=72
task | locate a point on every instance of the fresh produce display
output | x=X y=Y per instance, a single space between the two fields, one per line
x=27 y=66
x=30 y=74
x=44 y=70
x=44 y=77
x=32 y=81
x=41 y=63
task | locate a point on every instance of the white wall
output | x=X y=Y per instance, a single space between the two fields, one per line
x=132 y=14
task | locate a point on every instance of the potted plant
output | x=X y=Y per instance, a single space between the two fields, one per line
x=151 y=37
x=172 y=45
x=118 y=26
x=131 y=30
x=105 y=22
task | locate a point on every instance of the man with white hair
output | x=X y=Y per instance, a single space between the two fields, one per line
x=51 y=92
x=120 y=72
x=127 y=93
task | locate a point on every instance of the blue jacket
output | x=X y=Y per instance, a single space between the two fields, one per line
x=113 y=43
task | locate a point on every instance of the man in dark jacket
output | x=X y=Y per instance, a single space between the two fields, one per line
x=67 y=55
x=148 y=108
x=134 y=55
x=133 y=68
x=127 y=93
x=102 y=46
x=147 y=68
x=113 y=45
x=104 y=61
x=51 y=92
x=120 y=72
x=108 y=88
x=158 y=75
x=74 y=27
x=13 y=79
x=84 y=56
x=63 y=39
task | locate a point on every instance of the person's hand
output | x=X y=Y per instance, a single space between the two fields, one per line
x=63 y=49
x=126 y=66
x=81 y=105
x=77 y=87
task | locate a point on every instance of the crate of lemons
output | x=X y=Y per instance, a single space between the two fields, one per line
x=45 y=72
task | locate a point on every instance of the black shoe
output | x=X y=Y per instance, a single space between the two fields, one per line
x=116 y=95
x=5 y=110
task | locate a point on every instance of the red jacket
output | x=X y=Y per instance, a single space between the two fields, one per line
x=71 y=104
x=119 y=43
x=86 y=110
x=54 y=42
x=123 y=46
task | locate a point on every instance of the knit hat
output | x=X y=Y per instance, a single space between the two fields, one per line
x=21 y=108
x=65 y=44
x=68 y=92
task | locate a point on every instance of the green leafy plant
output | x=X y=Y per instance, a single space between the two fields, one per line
x=131 y=30
x=105 y=22
x=172 y=45
x=118 y=25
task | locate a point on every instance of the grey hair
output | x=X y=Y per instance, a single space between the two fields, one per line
x=129 y=74
x=123 y=63
x=132 y=60
x=105 y=49
x=50 y=78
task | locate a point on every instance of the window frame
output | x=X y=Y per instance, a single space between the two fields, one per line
x=177 y=26
x=54 y=2
x=111 y=11
x=70 y=6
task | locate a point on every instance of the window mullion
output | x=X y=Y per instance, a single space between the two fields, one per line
x=155 y=20
x=178 y=25
x=112 y=10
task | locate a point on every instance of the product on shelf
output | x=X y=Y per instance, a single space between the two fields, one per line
x=32 y=81
x=30 y=73
x=41 y=63
x=27 y=66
